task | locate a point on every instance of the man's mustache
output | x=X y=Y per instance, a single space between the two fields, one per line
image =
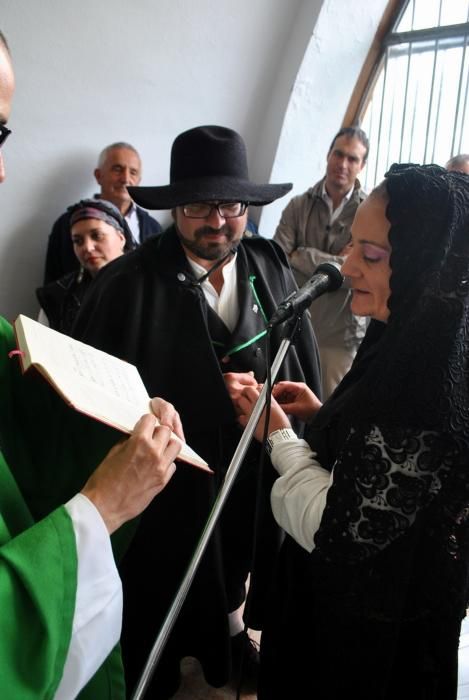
x=208 y=230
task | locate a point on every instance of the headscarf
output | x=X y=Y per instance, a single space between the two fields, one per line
x=105 y=211
x=401 y=416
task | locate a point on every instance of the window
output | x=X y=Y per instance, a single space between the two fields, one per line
x=416 y=107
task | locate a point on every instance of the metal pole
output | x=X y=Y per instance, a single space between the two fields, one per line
x=230 y=476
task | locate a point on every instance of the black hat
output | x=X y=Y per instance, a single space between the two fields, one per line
x=208 y=163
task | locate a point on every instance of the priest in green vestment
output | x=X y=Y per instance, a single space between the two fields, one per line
x=60 y=594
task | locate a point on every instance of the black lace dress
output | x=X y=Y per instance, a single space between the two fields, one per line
x=381 y=597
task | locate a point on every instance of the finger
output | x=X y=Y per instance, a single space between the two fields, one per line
x=278 y=391
x=172 y=450
x=243 y=420
x=240 y=379
x=145 y=426
x=250 y=392
x=162 y=436
x=164 y=479
x=168 y=416
x=177 y=426
x=285 y=397
x=281 y=389
x=245 y=405
x=156 y=405
x=251 y=379
x=163 y=410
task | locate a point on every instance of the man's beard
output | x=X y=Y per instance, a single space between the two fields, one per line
x=206 y=249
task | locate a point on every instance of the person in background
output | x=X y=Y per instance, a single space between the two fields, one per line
x=374 y=572
x=119 y=165
x=315 y=228
x=251 y=228
x=60 y=594
x=190 y=309
x=99 y=234
x=459 y=163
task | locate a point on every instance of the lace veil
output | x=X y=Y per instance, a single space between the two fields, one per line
x=396 y=431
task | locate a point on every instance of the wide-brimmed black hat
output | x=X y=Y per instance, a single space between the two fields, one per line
x=208 y=163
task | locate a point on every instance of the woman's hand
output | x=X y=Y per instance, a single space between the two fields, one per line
x=297 y=399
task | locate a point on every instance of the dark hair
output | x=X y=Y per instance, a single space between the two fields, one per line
x=352 y=132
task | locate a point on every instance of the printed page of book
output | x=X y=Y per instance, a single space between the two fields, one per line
x=91 y=380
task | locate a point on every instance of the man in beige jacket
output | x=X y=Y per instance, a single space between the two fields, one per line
x=315 y=228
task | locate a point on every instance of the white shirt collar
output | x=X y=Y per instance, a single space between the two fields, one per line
x=132 y=219
x=334 y=213
x=226 y=303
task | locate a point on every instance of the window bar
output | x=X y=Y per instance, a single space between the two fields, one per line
x=385 y=69
x=439 y=13
x=404 y=111
x=430 y=102
x=440 y=91
x=370 y=131
x=458 y=99
x=437 y=118
x=463 y=118
x=410 y=159
x=391 y=121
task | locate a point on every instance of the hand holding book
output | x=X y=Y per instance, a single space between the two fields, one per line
x=91 y=381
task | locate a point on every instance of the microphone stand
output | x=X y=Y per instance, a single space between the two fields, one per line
x=235 y=464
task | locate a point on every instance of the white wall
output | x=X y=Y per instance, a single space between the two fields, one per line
x=90 y=72
x=333 y=58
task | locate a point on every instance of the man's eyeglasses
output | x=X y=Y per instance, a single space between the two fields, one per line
x=4 y=134
x=202 y=210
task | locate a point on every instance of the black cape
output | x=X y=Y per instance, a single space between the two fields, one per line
x=61 y=299
x=149 y=310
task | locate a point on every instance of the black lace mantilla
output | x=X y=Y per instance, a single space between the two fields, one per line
x=399 y=425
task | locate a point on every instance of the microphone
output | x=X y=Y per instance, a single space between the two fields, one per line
x=326 y=278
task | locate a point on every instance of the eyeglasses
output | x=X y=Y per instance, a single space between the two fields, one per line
x=202 y=210
x=4 y=134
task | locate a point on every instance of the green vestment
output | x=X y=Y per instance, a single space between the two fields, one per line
x=38 y=569
x=51 y=450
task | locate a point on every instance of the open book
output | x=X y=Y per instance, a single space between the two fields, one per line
x=90 y=380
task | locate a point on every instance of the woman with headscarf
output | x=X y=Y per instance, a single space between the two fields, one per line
x=373 y=577
x=99 y=235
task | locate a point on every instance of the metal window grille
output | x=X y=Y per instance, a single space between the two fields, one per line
x=416 y=108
